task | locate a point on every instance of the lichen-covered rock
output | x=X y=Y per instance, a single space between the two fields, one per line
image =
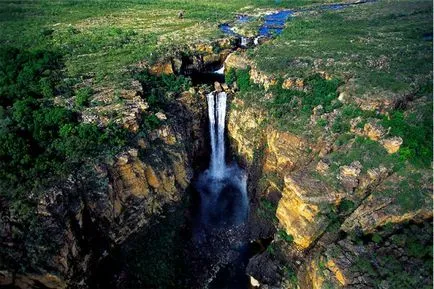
x=349 y=175
x=30 y=281
x=128 y=113
x=262 y=78
x=293 y=83
x=322 y=167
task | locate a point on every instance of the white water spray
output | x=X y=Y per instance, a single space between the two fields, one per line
x=217 y=114
x=221 y=70
x=244 y=41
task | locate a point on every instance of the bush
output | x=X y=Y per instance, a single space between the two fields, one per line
x=321 y=122
x=322 y=92
x=38 y=138
x=243 y=79
x=370 y=154
x=151 y=122
x=28 y=74
x=340 y=125
x=82 y=96
x=416 y=132
x=158 y=88
x=346 y=206
x=230 y=76
x=285 y=236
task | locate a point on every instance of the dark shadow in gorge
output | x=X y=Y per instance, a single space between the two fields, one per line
x=155 y=257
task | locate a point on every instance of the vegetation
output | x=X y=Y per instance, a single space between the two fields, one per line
x=82 y=96
x=154 y=258
x=243 y=79
x=285 y=236
x=291 y=109
x=230 y=76
x=99 y=38
x=37 y=137
x=267 y=210
x=407 y=267
x=291 y=276
x=159 y=90
x=415 y=128
x=41 y=144
x=362 y=42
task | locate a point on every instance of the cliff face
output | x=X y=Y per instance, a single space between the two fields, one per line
x=100 y=207
x=338 y=215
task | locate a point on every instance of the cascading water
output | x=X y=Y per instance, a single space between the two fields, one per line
x=220 y=229
x=211 y=116
x=217 y=111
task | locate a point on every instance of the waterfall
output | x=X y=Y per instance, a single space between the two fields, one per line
x=211 y=116
x=216 y=115
x=221 y=114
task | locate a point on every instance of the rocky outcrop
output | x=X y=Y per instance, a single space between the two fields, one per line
x=392 y=144
x=238 y=60
x=381 y=208
x=245 y=128
x=50 y=281
x=319 y=201
x=196 y=57
x=302 y=210
x=387 y=259
x=144 y=188
x=102 y=204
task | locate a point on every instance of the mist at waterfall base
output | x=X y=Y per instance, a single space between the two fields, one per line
x=222 y=188
x=219 y=233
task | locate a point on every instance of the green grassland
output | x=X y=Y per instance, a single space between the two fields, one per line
x=100 y=38
x=379 y=46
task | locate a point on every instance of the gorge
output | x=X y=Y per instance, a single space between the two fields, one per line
x=251 y=144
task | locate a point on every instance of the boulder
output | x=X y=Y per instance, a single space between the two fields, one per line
x=392 y=145
x=218 y=86
x=373 y=130
x=322 y=167
x=162 y=68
